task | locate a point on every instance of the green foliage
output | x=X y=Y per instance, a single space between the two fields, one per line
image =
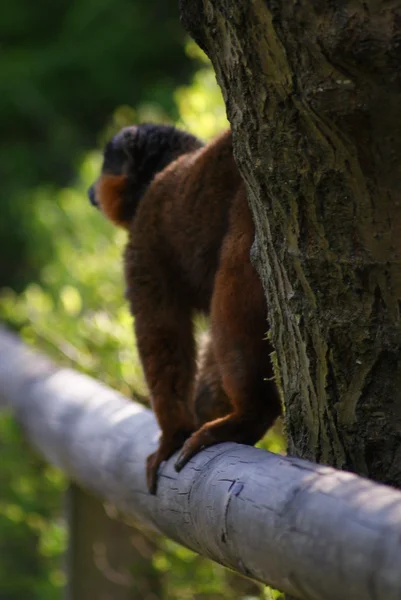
x=76 y=313
x=32 y=535
x=200 y=105
x=188 y=576
x=65 y=66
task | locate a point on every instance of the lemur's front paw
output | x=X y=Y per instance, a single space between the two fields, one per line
x=165 y=450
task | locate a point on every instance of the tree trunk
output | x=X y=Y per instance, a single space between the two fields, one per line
x=313 y=94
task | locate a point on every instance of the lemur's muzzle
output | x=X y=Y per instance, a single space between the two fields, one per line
x=92 y=196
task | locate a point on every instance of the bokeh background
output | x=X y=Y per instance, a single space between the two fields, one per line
x=72 y=73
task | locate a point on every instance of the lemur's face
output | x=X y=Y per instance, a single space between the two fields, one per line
x=116 y=161
x=131 y=160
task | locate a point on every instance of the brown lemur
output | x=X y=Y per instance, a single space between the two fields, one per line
x=190 y=232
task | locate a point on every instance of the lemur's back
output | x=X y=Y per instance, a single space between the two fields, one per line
x=189 y=213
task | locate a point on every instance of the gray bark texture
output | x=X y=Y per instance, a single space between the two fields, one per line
x=307 y=529
x=313 y=94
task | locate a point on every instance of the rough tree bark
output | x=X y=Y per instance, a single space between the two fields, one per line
x=313 y=94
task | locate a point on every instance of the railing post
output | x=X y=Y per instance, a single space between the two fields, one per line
x=107 y=559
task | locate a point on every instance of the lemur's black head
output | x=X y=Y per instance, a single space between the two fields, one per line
x=131 y=160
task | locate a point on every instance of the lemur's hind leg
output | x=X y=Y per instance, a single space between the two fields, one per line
x=210 y=401
x=239 y=336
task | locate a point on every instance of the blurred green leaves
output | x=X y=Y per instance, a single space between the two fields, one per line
x=32 y=535
x=77 y=310
x=65 y=66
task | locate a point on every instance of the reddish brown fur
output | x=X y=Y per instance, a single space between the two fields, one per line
x=108 y=190
x=210 y=400
x=189 y=249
